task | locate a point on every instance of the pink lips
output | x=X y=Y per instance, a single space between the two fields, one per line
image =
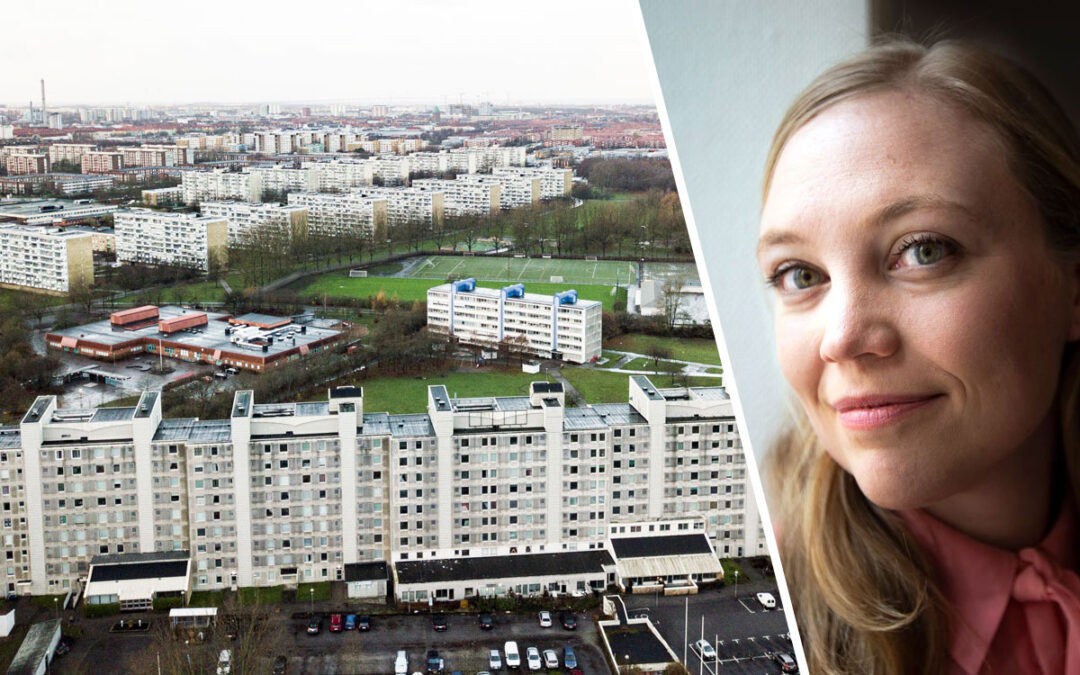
x=871 y=412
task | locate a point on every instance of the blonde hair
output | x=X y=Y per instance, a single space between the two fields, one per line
x=863 y=591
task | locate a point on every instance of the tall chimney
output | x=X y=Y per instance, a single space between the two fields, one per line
x=44 y=108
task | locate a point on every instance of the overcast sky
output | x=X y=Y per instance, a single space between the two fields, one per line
x=389 y=51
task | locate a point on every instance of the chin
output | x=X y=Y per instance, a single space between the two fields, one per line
x=893 y=485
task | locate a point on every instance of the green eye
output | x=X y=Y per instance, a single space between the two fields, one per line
x=928 y=252
x=804 y=277
x=925 y=250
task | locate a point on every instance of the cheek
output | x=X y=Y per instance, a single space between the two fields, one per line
x=798 y=354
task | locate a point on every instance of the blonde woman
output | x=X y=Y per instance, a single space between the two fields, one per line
x=920 y=232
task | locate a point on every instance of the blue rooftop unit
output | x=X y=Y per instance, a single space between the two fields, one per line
x=463 y=285
x=566 y=297
x=514 y=291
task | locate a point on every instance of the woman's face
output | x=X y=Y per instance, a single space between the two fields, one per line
x=920 y=316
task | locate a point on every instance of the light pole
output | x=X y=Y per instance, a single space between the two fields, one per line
x=311 y=593
x=56 y=606
x=736 y=584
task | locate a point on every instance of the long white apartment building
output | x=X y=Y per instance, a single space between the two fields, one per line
x=554 y=183
x=342 y=175
x=390 y=170
x=294 y=492
x=493 y=156
x=462 y=198
x=160 y=238
x=408 y=204
x=556 y=326
x=343 y=214
x=220 y=184
x=246 y=219
x=285 y=179
x=514 y=190
x=49 y=259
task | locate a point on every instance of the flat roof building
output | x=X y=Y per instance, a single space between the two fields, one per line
x=49 y=259
x=49 y=211
x=281 y=493
x=199 y=337
x=343 y=214
x=556 y=326
x=159 y=238
x=248 y=220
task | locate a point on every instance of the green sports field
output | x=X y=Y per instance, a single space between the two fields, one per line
x=484 y=268
x=337 y=285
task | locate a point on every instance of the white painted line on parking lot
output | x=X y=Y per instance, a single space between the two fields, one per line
x=746 y=607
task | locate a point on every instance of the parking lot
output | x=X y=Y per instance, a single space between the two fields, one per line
x=744 y=634
x=463 y=646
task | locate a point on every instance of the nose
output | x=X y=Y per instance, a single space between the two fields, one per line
x=858 y=322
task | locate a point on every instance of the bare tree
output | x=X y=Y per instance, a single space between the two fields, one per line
x=672 y=301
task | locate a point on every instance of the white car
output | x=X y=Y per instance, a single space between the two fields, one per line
x=494 y=660
x=704 y=650
x=551 y=659
x=401 y=663
x=224 y=664
x=545 y=619
x=532 y=655
x=767 y=600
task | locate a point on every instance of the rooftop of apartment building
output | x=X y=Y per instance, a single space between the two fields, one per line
x=537 y=298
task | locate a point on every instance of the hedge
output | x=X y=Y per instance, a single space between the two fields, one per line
x=161 y=604
x=106 y=609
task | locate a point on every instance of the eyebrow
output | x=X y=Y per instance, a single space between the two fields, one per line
x=892 y=211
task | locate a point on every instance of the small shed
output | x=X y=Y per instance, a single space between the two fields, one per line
x=366 y=580
x=37 y=649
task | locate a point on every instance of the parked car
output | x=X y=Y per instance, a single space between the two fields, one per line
x=545 y=619
x=434 y=662
x=786 y=662
x=363 y=622
x=350 y=622
x=314 y=626
x=569 y=621
x=513 y=656
x=532 y=655
x=401 y=663
x=767 y=600
x=439 y=623
x=551 y=659
x=704 y=650
x=494 y=660
x=335 y=623
x=281 y=664
x=224 y=662
x=569 y=658
x=487 y=622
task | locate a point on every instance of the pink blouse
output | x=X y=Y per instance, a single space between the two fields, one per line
x=1016 y=611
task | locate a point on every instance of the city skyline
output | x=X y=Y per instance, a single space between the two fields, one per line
x=562 y=54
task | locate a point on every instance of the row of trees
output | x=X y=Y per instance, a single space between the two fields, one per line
x=23 y=373
x=632 y=175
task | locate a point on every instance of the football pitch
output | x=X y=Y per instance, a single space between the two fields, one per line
x=549 y=270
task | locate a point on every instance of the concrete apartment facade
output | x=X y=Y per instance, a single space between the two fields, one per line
x=343 y=214
x=295 y=492
x=554 y=183
x=53 y=260
x=408 y=204
x=461 y=198
x=514 y=190
x=220 y=184
x=246 y=218
x=549 y=326
x=159 y=238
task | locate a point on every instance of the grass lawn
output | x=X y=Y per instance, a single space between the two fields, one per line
x=197 y=291
x=7 y=299
x=322 y=592
x=397 y=395
x=699 y=350
x=337 y=285
x=647 y=364
x=535 y=269
x=598 y=386
x=206 y=598
x=612 y=359
x=730 y=567
x=250 y=595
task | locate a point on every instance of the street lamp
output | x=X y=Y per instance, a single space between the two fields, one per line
x=311 y=592
x=736 y=584
x=56 y=606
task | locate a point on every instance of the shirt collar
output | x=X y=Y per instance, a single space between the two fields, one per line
x=977 y=578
